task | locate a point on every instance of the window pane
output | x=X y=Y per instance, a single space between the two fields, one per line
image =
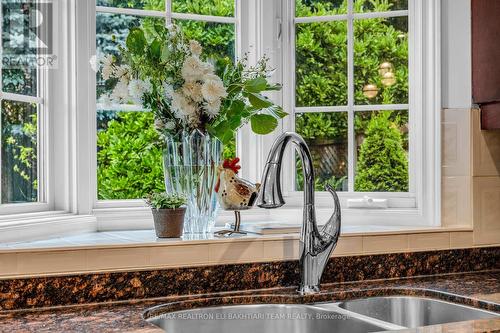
x=217 y=39
x=320 y=7
x=381 y=61
x=137 y=4
x=19 y=152
x=326 y=135
x=363 y=6
x=19 y=74
x=382 y=151
x=129 y=160
x=321 y=64
x=111 y=33
x=204 y=7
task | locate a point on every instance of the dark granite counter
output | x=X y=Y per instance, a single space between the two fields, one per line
x=479 y=289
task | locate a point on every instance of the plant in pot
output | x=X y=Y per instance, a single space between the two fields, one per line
x=168 y=213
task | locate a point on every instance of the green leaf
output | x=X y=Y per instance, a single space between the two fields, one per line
x=236 y=108
x=256 y=85
x=258 y=101
x=155 y=49
x=165 y=53
x=277 y=111
x=136 y=41
x=263 y=123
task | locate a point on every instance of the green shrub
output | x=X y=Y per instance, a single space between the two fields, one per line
x=382 y=164
x=129 y=163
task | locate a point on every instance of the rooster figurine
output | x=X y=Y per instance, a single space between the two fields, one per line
x=234 y=193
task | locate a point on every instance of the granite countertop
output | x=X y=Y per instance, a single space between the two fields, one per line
x=476 y=289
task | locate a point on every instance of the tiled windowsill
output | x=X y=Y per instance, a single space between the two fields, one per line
x=141 y=250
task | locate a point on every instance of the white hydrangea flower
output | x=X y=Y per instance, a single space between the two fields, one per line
x=192 y=69
x=192 y=90
x=195 y=48
x=208 y=68
x=213 y=88
x=169 y=126
x=213 y=108
x=120 y=93
x=181 y=106
x=95 y=63
x=105 y=101
x=107 y=67
x=173 y=29
x=168 y=90
x=137 y=89
x=122 y=72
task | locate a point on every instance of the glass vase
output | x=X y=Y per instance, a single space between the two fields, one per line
x=190 y=162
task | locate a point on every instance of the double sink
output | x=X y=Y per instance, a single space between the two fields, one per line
x=363 y=315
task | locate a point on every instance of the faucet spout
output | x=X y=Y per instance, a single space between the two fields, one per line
x=315 y=245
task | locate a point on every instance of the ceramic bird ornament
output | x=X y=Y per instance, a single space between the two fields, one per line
x=234 y=193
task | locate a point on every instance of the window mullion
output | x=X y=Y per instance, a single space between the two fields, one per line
x=350 y=96
x=168 y=12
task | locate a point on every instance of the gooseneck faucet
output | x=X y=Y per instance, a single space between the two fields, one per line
x=315 y=245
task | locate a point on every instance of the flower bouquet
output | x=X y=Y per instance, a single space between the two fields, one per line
x=198 y=106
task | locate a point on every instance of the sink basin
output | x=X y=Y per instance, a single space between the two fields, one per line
x=414 y=312
x=262 y=319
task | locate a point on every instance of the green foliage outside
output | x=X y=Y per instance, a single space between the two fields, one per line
x=321 y=77
x=382 y=164
x=130 y=161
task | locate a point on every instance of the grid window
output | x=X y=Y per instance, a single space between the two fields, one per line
x=125 y=153
x=21 y=108
x=351 y=93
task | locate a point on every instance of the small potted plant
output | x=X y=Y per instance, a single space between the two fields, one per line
x=168 y=213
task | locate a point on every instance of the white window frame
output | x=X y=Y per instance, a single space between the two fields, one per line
x=70 y=99
x=421 y=205
x=268 y=30
x=44 y=201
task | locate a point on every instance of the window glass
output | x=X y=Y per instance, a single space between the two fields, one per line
x=321 y=64
x=18 y=50
x=382 y=151
x=326 y=136
x=129 y=162
x=381 y=61
x=136 y=4
x=204 y=7
x=364 y=6
x=19 y=158
x=305 y=8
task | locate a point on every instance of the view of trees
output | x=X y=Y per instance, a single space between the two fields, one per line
x=130 y=165
x=19 y=176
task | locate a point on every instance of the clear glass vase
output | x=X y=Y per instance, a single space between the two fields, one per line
x=190 y=162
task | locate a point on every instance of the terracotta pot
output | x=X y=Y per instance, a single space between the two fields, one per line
x=169 y=222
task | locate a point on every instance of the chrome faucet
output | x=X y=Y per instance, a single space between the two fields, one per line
x=315 y=245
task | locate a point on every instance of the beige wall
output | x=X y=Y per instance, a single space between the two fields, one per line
x=471 y=175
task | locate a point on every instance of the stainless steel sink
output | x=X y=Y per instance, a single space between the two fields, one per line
x=414 y=312
x=262 y=319
x=363 y=315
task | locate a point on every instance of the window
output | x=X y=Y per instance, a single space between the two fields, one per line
x=356 y=96
x=357 y=78
x=351 y=93
x=23 y=114
x=129 y=166
x=361 y=69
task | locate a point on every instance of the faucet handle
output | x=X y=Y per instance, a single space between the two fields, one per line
x=332 y=228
